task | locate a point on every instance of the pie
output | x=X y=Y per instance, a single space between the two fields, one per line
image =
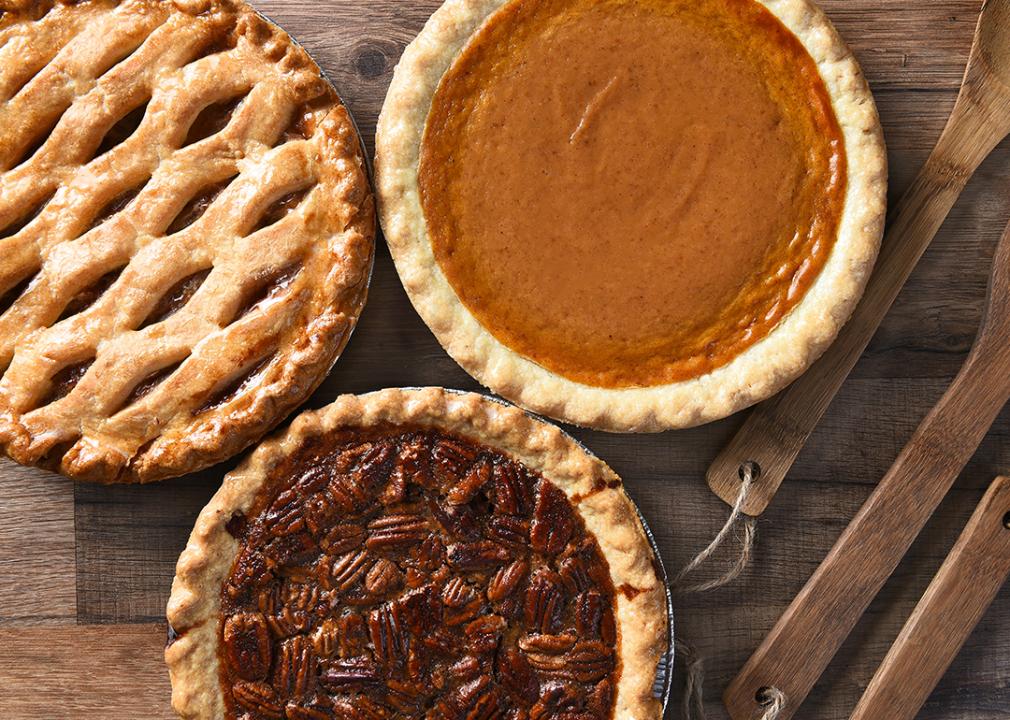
x=418 y=554
x=187 y=230
x=631 y=214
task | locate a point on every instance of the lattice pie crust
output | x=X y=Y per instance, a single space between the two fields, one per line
x=186 y=229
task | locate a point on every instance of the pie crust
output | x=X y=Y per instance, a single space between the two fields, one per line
x=188 y=232
x=196 y=606
x=753 y=375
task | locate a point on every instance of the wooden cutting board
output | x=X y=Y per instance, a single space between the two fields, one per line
x=85 y=571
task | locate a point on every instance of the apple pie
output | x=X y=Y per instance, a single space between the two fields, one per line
x=187 y=229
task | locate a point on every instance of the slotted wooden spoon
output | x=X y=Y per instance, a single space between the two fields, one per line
x=777 y=429
x=811 y=630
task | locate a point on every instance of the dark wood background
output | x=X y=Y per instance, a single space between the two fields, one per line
x=85 y=571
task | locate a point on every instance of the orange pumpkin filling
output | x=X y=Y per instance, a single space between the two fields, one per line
x=632 y=192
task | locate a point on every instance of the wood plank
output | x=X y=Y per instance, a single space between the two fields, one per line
x=37 y=563
x=84 y=673
x=128 y=541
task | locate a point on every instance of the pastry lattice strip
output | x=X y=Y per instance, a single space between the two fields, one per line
x=100 y=385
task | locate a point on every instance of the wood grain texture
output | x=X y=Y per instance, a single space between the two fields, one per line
x=85 y=672
x=955 y=601
x=37 y=567
x=776 y=430
x=914 y=55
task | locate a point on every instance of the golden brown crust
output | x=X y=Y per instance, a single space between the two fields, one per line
x=194 y=607
x=283 y=291
x=755 y=374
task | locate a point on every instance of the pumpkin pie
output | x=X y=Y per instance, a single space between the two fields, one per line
x=631 y=214
x=418 y=554
x=187 y=230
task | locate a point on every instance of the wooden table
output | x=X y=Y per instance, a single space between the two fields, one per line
x=85 y=571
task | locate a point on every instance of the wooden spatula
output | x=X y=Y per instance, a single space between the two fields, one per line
x=777 y=429
x=955 y=601
x=808 y=635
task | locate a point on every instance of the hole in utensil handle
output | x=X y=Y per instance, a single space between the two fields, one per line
x=752 y=467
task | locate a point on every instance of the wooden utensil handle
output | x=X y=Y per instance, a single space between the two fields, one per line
x=809 y=633
x=777 y=429
x=952 y=606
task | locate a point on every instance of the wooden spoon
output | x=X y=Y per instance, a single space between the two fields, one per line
x=952 y=606
x=808 y=635
x=777 y=429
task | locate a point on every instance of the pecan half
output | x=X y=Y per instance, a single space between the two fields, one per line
x=284 y=517
x=296 y=667
x=352 y=674
x=348 y=570
x=547 y=644
x=258 y=697
x=509 y=530
x=373 y=469
x=395 y=491
x=451 y=459
x=507 y=580
x=251 y=573
x=513 y=490
x=557 y=699
x=348 y=495
x=574 y=574
x=465 y=669
x=486 y=707
x=463 y=699
x=340 y=539
x=587 y=661
x=553 y=520
x=396 y=531
x=383 y=578
x=390 y=640
x=466 y=489
x=247 y=645
x=544 y=601
x=313 y=479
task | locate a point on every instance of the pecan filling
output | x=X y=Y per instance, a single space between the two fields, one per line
x=415 y=575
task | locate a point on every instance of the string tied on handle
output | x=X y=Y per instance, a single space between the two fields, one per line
x=693 y=707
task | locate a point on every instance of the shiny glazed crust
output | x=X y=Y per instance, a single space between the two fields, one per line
x=256 y=338
x=757 y=373
x=194 y=607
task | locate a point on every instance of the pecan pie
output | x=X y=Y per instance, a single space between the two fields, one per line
x=666 y=227
x=187 y=230
x=418 y=554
